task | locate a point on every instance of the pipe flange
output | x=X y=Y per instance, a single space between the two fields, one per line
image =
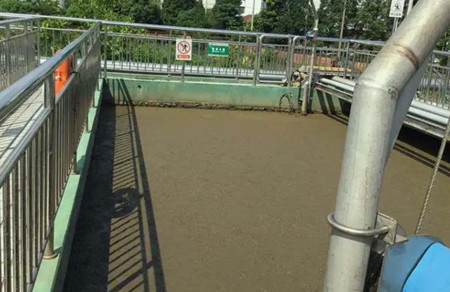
x=356 y=232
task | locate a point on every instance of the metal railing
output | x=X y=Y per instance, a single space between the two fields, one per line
x=19 y=49
x=434 y=88
x=132 y=47
x=34 y=174
x=254 y=56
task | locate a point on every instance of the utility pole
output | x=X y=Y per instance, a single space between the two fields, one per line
x=343 y=20
x=253 y=15
x=341 y=34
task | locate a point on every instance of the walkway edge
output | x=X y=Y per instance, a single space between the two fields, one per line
x=52 y=273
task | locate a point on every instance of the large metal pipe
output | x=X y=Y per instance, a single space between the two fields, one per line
x=381 y=100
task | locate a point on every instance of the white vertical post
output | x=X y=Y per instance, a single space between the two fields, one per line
x=380 y=103
x=395 y=26
x=253 y=15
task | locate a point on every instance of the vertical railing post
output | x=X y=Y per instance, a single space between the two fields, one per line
x=169 y=55
x=8 y=55
x=105 y=50
x=27 y=46
x=257 y=59
x=87 y=92
x=347 y=59
x=239 y=58
x=183 y=66
x=306 y=98
x=49 y=95
x=290 y=53
x=430 y=75
x=446 y=85
x=38 y=43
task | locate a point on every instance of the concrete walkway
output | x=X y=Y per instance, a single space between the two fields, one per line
x=203 y=200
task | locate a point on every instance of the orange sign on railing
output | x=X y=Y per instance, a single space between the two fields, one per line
x=62 y=73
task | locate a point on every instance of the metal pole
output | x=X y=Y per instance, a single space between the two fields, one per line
x=304 y=110
x=380 y=103
x=290 y=52
x=169 y=55
x=8 y=56
x=49 y=93
x=341 y=34
x=395 y=26
x=253 y=15
x=105 y=48
x=306 y=98
x=38 y=43
x=27 y=47
x=257 y=56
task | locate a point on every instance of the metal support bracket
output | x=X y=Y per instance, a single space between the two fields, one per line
x=356 y=232
x=387 y=229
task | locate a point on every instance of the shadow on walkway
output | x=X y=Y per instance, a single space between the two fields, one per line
x=116 y=242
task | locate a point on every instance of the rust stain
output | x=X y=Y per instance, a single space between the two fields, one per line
x=404 y=51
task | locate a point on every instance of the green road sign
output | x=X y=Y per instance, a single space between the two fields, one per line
x=218 y=50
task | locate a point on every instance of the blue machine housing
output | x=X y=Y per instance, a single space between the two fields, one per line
x=420 y=264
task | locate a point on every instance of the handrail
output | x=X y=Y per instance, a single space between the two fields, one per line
x=15 y=93
x=17 y=20
x=148 y=26
x=187 y=29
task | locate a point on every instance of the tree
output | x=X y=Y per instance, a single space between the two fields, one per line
x=144 y=11
x=99 y=9
x=285 y=16
x=226 y=14
x=330 y=17
x=194 y=17
x=171 y=9
x=44 y=7
x=372 y=20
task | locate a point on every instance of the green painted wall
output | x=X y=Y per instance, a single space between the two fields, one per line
x=154 y=90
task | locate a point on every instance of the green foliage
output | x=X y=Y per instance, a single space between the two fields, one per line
x=330 y=15
x=194 y=17
x=144 y=11
x=285 y=16
x=99 y=9
x=226 y=15
x=45 y=7
x=141 y=11
x=171 y=9
x=372 y=21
